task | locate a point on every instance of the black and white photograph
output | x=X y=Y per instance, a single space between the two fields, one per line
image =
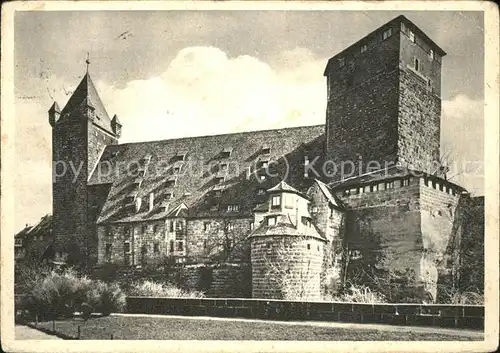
x=311 y=176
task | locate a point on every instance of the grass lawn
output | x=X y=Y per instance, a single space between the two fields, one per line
x=168 y=328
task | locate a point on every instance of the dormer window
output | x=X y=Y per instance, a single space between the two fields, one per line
x=171 y=181
x=180 y=156
x=261 y=192
x=387 y=33
x=276 y=201
x=226 y=152
x=169 y=195
x=271 y=221
x=219 y=179
x=176 y=169
x=233 y=208
x=130 y=199
x=266 y=149
x=223 y=167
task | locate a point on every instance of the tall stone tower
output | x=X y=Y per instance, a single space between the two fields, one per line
x=384 y=101
x=79 y=134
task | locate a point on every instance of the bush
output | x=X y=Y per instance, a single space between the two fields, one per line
x=60 y=295
x=105 y=298
x=156 y=289
x=360 y=294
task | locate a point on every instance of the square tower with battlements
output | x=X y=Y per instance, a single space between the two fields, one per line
x=384 y=101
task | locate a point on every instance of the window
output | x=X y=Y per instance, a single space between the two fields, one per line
x=143 y=228
x=171 y=226
x=229 y=226
x=374 y=187
x=416 y=149
x=233 y=208
x=180 y=246
x=389 y=185
x=176 y=170
x=18 y=242
x=412 y=36
x=218 y=193
x=341 y=62
x=226 y=152
x=262 y=177
x=314 y=209
x=364 y=48
x=306 y=221
x=179 y=226
x=251 y=225
x=219 y=180
x=261 y=192
x=405 y=182
x=156 y=248
x=266 y=150
x=223 y=167
x=308 y=246
x=126 y=231
x=431 y=54
x=361 y=190
x=416 y=64
x=126 y=247
x=206 y=226
x=171 y=246
x=276 y=201
x=108 y=251
x=271 y=221
x=155 y=228
x=214 y=208
x=387 y=33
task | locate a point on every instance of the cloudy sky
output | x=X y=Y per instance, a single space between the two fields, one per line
x=171 y=74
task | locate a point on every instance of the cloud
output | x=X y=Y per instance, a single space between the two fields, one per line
x=462 y=136
x=204 y=91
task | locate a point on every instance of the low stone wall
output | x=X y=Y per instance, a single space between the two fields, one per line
x=215 y=280
x=455 y=316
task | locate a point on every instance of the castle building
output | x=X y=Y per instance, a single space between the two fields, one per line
x=273 y=197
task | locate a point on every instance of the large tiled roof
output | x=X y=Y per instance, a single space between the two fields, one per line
x=201 y=173
x=86 y=93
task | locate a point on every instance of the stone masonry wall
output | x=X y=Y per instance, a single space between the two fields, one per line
x=286 y=267
x=70 y=186
x=218 y=239
x=441 y=232
x=330 y=223
x=363 y=106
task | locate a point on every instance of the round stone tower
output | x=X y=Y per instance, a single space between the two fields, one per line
x=286 y=249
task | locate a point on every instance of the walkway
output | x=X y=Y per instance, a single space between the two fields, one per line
x=28 y=333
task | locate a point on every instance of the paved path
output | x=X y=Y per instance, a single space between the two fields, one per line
x=393 y=328
x=28 y=333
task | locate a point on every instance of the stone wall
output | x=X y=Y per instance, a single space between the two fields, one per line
x=361 y=118
x=286 y=267
x=330 y=223
x=69 y=189
x=218 y=239
x=455 y=316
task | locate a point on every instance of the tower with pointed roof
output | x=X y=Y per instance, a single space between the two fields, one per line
x=80 y=132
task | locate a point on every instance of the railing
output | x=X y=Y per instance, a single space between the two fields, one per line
x=455 y=316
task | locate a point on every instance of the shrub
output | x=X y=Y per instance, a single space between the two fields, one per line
x=156 y=289
x=105 y=298
x=60 y=295
x=360 y=294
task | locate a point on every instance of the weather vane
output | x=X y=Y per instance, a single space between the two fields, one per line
x=88 y=62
